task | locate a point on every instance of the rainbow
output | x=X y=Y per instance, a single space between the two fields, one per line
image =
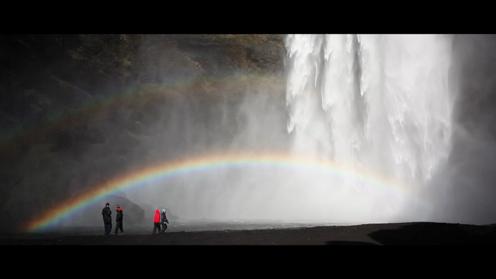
x=94 y=106
x=203 y=163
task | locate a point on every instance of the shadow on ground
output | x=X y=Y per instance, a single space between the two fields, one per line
x=436 y=234
x=350 y=243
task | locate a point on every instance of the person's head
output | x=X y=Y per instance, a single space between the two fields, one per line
x=107 y=205
x=163 y=210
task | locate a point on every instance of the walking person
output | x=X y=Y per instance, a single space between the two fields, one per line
x=164 y=221
x=119 y=219
x=107 y=218
x=156 y=221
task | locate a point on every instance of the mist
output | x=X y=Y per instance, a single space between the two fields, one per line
x=462 y=191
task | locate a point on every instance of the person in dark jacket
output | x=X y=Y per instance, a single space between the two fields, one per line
x=163 y=220
x=156 y=221
x=107 y=218
x=118 y=219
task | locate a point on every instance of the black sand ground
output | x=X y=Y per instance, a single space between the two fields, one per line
x=369 y=234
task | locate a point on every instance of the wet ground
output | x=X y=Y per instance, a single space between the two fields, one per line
x=369 y=234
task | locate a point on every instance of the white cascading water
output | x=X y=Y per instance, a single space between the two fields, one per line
x=380 y=102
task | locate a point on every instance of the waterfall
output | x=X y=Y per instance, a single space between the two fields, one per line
x=381 y=102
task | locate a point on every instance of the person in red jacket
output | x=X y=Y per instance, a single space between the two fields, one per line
x=156 y=221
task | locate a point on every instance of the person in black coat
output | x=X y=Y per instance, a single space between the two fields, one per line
x=107 y=218
x=163 y=220
x=119 y=219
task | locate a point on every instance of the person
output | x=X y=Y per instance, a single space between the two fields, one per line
x=119 y=219
x=163 y=219
x=156 y=221
x=107 y=218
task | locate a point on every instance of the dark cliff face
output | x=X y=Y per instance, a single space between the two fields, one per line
x=474 y=65
x=40 y=73
x=77 y=109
